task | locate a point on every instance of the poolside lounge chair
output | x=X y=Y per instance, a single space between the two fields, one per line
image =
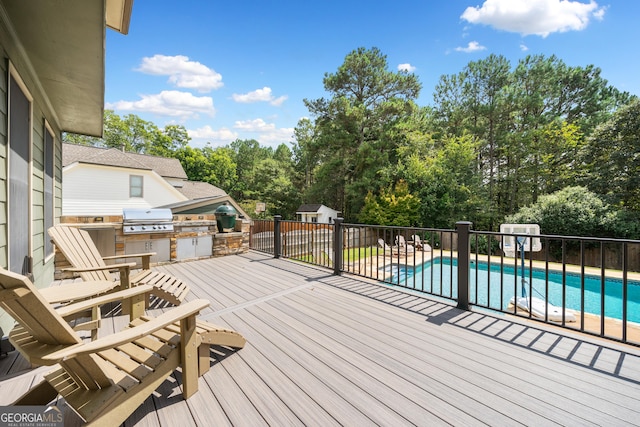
x=403 y=245
x=105 y=380
x=419 y=244
x=81 y=252
x=388 y=250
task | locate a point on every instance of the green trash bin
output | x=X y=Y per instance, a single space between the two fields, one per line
x=225 y=218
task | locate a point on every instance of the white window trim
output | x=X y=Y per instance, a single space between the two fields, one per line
x=141 y=196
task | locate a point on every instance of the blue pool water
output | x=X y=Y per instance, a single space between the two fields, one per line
x=491 y=288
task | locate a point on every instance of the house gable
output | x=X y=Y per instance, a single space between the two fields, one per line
x=92 y=189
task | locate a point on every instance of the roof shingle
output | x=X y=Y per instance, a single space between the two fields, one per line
x=199 y=190
x=163 y=166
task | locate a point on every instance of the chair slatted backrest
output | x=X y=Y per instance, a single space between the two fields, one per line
x=23 y=302
x=80 y=250
x=20 y=298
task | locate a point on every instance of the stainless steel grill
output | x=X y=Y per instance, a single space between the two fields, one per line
x=138 y=221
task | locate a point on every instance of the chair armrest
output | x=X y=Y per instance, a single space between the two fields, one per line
x=145 y=258
x=103 y=299
x=128 y=335
x=149 y=254
x=126 y=265
x=124 y=269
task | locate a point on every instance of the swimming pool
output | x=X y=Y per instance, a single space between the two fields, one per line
x=489 y=287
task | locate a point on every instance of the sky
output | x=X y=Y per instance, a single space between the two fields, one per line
x=228 y=70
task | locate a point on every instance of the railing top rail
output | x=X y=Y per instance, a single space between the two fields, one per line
x=557 y=237
x=397 y=227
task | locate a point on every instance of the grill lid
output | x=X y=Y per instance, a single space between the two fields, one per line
x=147 y=221
x=146 y=216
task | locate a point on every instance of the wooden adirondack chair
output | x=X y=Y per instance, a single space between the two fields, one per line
x=105 y=380
x=81 y=252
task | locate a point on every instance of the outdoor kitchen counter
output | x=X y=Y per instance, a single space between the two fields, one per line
x=195 y=223
x=93 y=224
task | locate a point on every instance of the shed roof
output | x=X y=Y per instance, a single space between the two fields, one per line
x=312 y=207
x=309 y=208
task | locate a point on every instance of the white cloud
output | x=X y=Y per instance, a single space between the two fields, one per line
x=259 y=95
x=278 y=101
x=599 y=14
x=255 y=125
x=523 y=47
x=219 y=137
x=268 y=133
x=277 y=136
x=539 y=17
x=471 y=47
x=172 y=103
x=182 y=72
x=406 y=67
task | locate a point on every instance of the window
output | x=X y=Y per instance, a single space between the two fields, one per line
x=135 y=186
x=49 y=183
x=19 y=172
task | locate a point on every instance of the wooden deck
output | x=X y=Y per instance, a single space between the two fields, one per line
x=337 y=350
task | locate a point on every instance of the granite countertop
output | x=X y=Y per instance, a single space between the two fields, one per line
x=194 y=223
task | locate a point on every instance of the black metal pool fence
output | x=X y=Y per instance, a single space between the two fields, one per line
x=590 y=285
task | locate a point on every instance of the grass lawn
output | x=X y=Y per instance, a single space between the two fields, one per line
x=354 y=254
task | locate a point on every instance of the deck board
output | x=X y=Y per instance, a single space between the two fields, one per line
x=402 y=355
x=341 y=350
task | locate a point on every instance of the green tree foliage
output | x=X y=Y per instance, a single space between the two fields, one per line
x=529 y=122
x=135 y=135
x=393 y=207
x=247 y=154
x=265 y=175
x=304 y=157
x=612 y=158
x=448 y=183
x=74 y=138
x=129 y=133
x=222 y=167
x=165 y=142
x=353 y=128
x=275 y=187
x=216 y=167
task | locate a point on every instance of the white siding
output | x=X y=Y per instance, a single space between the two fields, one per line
x=327 y=215
x=104 y=190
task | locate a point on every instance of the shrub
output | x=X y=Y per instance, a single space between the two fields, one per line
x=483 y=244
x=572 y=211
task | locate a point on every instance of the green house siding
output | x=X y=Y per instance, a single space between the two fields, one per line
x=5 y=321
x=42 y=265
